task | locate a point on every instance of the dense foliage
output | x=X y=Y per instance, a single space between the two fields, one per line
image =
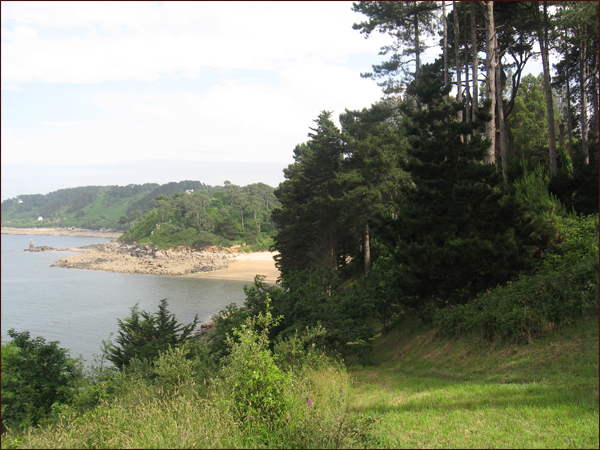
x=219 y=214
x=196 y=219
x=260 y=395
x=562 y=291
x=35 y=376
x=314 y=297
x=91 y=207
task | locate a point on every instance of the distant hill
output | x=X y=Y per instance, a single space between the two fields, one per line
x=91 y=207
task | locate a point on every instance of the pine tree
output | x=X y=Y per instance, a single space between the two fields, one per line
x=143 y=335
x=457 y=234
x=375 y=144
x=309 y=229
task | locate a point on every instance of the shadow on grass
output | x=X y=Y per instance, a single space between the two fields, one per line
x=472 y=397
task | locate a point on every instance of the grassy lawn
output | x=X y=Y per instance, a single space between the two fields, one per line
x=460 y=393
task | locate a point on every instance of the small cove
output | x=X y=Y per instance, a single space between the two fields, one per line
x=79 y=308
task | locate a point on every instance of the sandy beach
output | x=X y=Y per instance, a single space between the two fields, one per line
x=245 y=267
x=118 y=257
x=211 y=263
x=62 y=232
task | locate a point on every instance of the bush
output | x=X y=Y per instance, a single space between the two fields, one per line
x=35 y=376
x=309 y=298
x=289 y=398
x=529 y=307
x=255 y=384
x=564 y=288
x=144 y=336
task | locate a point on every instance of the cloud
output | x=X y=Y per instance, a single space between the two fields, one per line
x=91 y=42
x=235 y=120
x=229 y=83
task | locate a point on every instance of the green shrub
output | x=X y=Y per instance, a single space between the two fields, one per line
x=143 y=335
x=578 y=240
x=251 y=377
x=35 y=376
x=288 y=398
x=564 y=288
x=531 y=306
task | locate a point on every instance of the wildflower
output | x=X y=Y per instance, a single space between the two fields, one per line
x=309 y=401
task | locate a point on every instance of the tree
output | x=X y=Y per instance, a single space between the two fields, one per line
x=408 y=22
x=371 y=175
x=529 y=123
x=457 y=233
x=545 y=52
x=35 y=375
x=475 y=49
x=144 y=336
x=579 y=43
x=490 y=66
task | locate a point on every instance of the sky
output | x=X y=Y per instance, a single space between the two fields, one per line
x=105 y=93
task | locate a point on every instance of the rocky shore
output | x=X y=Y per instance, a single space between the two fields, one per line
x=118 y=257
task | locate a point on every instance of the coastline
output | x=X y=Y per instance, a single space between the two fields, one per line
x=117 y=257
x=62 y=232
x=123 y=258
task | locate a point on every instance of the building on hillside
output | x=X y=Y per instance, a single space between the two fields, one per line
x=40 y=218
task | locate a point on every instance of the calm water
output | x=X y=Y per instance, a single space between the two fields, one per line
x=79 y=308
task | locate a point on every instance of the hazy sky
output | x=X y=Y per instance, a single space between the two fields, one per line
x=102 y=93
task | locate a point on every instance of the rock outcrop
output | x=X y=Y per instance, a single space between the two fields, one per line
x=123 y=258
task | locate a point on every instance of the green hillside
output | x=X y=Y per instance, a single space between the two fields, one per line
x=91 y=207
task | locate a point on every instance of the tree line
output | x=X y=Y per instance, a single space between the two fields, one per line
x=507 y=32
x=233 y=214
x=429 y=195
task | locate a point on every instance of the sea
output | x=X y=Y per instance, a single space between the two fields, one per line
x=79 y=308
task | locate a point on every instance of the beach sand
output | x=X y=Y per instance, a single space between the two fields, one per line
x=245 y=268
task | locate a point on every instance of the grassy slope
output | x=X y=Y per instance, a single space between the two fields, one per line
x=424 y=392
x=92 y=211
x=429 y=392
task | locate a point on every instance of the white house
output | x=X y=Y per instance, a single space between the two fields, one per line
x=40 y=218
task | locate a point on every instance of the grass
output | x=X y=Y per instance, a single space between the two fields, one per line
x=463 y=393
x=422 y=391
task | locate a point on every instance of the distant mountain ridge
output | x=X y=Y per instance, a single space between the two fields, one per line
x=91 y=207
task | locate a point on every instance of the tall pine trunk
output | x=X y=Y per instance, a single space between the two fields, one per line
x=445 y=47
x=367 y=249
x=475 y=105
x=500 y=108
x=543 y=41
x=467 y=83
x=417 y=53
x=569 y=111
x=490 y=64
x=582 y=83
x=457 y=56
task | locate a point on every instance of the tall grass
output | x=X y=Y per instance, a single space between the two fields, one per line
x=424 y=391
x=241 y=406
